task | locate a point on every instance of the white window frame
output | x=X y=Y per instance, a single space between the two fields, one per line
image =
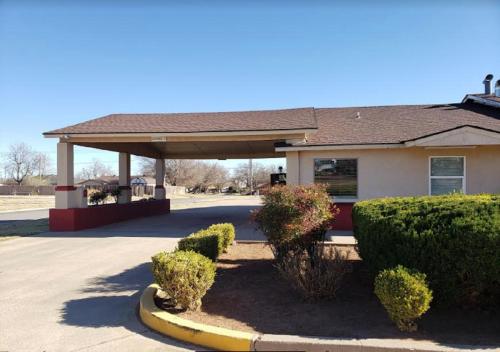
x=463 y=178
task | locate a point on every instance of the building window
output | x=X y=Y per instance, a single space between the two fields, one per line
x=447 y=174
x=339 y=175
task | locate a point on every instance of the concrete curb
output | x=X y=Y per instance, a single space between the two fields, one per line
x=188 y=331
x=232 y=340
x=268 y=342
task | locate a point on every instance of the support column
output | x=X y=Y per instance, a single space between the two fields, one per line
x=67 y=195
x=124 y=178
x=292 y=168
x=160 y=179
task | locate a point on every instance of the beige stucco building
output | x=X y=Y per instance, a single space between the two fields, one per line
x=358 y=152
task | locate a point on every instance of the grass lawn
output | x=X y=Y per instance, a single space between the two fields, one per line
x=17 y=228
x=26 y=202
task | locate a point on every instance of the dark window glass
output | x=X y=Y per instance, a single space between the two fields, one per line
x=340 y=176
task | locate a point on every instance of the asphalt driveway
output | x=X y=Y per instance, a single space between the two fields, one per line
x=79 y=291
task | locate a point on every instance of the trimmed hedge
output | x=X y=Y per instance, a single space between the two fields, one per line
x=204 y=243
x=454 y=240
x=228 y=232
x=210 y=242
x=185 y=276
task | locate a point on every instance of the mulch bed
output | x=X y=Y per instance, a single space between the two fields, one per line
x=250 y=295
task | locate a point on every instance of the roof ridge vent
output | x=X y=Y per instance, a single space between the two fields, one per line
x=487 y=83
x=358 y=115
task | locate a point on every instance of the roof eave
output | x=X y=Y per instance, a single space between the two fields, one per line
x=481 y=100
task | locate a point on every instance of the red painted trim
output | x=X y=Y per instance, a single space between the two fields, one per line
x=124 y=187
x=343 y=220
x=75 y=219
x=159 y=186
x=65 y=188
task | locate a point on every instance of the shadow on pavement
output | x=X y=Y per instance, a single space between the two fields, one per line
x=116 y=304
x=177 y=224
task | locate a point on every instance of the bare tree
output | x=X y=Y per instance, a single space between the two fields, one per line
x=147 y=166
x=179 y=172
x=19 y=162
x=261 y=174
x=41 y=164
x=95 y=170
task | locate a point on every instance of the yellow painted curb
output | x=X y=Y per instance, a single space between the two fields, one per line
x=188 y=331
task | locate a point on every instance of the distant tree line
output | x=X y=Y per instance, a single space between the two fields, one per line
x=22 y=162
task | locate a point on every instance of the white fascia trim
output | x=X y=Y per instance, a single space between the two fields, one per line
x=181 y=134
x=339 y=147
x=480 y=100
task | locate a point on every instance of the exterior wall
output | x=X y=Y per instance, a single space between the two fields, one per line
x=400 y=171
x=405 y=171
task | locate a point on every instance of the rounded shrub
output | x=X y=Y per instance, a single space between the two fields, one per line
x=295 y=217
x=453 y=239
x=404 y=295
x=185 y=276
x=228 y=233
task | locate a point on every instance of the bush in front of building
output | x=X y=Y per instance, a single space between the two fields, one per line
x=97 y=197
x=404 y=295
x=319 y=277
x=453 y=239
x=227 y=231
x=207 y=243
x=295 y=218
x=185 y=276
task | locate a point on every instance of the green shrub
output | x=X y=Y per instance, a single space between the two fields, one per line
x=97 y=197
x=209 y=242
x=205 y=243
x=185 y=276
x=228 y=232
x=454 y=240
x=295 y=217
x=404 y=295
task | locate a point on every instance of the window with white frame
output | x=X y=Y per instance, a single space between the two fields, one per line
x=447 y=174
x=339 y=175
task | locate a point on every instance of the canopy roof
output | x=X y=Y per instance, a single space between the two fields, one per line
x=268 y=133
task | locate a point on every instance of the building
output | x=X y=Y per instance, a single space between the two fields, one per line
x=359 y=152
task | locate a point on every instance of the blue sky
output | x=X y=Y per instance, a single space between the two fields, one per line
x=65 y=62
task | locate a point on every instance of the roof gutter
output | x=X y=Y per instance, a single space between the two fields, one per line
x=158 y=135
x=339 y=147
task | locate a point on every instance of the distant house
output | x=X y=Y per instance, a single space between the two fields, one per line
x=142 y=185
x=103 y=182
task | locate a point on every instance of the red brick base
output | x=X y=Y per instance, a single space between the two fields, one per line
x=343 y=221
x=75 y=219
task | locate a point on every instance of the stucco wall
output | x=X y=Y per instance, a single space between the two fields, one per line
x=402 y=171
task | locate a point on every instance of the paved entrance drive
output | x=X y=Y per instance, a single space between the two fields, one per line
x=79 y=291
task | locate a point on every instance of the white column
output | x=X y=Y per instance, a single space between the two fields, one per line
x=292 y=168
x=160 y=179
x=124 y=178
x=67 y=195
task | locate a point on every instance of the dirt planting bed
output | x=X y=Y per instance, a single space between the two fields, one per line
x=250 y=295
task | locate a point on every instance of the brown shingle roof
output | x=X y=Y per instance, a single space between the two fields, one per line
x=266 y=120
x=335 y=126
x=397 y=124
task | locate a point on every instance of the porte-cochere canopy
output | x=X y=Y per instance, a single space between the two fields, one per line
x=223 y=135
